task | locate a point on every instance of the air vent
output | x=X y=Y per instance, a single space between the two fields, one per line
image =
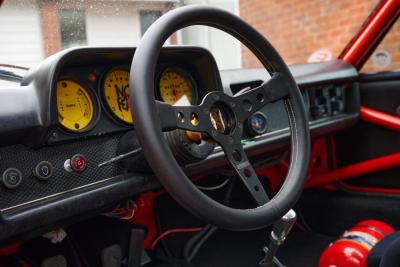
x=326 y=101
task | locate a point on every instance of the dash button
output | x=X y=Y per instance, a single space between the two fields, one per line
x=12 y=178
x=44 y=170
x=77 y=163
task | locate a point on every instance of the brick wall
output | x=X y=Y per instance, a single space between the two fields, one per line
x=50 y=27
x=298 y=28
x=50 y=17
x=295 y=28
x=390 y=44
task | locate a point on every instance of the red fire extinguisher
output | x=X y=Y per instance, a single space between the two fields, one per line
x=352 y=248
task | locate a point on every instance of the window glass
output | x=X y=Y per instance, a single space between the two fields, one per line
x=301 y=31
x=72 y=28
x=386 y=56
x=147 y=17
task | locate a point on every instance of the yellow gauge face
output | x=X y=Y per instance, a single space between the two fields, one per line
x=74 y=105
x=116 y=94
x=175 y=88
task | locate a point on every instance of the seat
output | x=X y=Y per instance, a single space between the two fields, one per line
x=386 y=253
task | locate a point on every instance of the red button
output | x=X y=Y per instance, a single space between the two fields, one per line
x=78 y=163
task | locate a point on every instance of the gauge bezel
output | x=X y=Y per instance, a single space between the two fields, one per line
x=93 y=97
x=251 y=131
x=105 y=105
x=185 y=74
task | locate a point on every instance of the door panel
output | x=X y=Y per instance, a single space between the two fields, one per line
x=381 y=92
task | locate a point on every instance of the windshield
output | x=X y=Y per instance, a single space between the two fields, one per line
x=302 y=31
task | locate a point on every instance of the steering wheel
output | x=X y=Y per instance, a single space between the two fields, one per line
x=151 y=117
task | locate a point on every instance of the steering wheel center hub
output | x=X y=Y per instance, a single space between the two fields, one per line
x=222 y=118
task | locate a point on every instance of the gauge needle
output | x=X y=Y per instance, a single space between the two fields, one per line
x=127 y=99
x=175 y=93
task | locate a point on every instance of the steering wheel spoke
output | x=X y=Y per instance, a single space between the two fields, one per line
x=243 y=168
x=189 y=118
x=272 y=90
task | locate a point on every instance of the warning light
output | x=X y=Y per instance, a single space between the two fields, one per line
x=92 y=77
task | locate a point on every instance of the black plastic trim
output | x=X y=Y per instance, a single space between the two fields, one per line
x=270 y=143
x=76 y=205
x=380 y=76
x=311 y=74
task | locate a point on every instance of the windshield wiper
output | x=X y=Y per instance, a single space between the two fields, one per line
x=9 y=75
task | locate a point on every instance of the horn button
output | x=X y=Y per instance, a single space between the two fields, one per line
x=222 y=118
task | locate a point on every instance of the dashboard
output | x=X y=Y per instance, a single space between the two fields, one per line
x=93 y=100
x=83 y=94
x=72 y=113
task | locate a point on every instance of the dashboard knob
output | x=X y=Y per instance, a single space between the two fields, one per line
x=12 y=178
x=44 y=170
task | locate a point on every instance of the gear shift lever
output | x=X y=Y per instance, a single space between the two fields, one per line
x=280 y=231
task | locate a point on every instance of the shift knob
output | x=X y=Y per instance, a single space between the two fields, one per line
x=280 y=231
x=283 y=226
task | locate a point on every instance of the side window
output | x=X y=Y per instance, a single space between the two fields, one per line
x=386 y=57
x=148 y=17
x=72 y=27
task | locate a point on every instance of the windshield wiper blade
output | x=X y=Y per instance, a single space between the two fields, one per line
x=10 y=76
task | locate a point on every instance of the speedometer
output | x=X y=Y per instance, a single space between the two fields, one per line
x=75 y=106
x=177 y=87
x=116 y=94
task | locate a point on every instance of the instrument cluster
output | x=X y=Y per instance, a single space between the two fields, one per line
x=84 y=96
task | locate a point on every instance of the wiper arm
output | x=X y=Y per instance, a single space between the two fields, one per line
x=9 y=75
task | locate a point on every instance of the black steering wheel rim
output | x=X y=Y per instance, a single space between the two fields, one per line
x=149 y=129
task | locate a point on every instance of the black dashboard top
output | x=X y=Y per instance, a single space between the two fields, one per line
x=30 y=106
x=37 y=114
x=311 y=74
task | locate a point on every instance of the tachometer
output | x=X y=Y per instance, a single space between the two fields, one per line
x=176 y=87
x=75 y=106
x=116 y=94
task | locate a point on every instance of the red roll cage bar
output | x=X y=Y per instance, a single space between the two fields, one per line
x=371 y=33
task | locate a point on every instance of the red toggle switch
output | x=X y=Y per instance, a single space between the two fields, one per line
x=76 y=163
